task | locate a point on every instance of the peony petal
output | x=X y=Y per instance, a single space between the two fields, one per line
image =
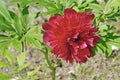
x=77 y=58
x=69 y=13
x=83 y=55
x=56 y=17
x=90 y=42
x=82 y=44
x=49 y=26
x=71 y=36
x=86 y=19
x=71 y=17
x=87 y=15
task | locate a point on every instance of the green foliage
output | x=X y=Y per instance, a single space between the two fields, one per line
x=3 y=11
x=4 y=76
x=21 y=59
x=109 y=39
x=17 y=25
x=4 y=64
x=114 y=3
x=32 y=74
x=21 y=62
x=95 y=6
x=33 y=37
x=18 y=31
x=24 y=3
x=55 y=7
x=10 y=57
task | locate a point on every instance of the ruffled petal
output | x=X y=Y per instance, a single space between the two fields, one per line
x=71 y=36
x=82 y=44
x=90 y=42
x=83 y=55
x=69 y=13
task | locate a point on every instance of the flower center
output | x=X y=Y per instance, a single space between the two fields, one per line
x=76 y=39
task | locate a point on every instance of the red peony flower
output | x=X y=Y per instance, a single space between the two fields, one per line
x=71 y=36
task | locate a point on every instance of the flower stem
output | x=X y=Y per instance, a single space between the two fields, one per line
x=53 y=73
x=53 y=68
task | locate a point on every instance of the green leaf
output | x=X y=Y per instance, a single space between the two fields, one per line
x=4 y=64
x=95 y=6
x=114 y=3
x=101 y=48
x=115 y=42
x=33 y=72
x=17 y=44
x=51 y=4
x=4 y=11
x=9 y=56
x=18 y=26
x=21 y=63
x=69 y=4
x=4 y=45
x=4 y=76
x=16 y=0
x=33 y=37
x=103 y=27
x=4 y=37
x=89 y=1
x=21 y=59
x=32 y=30
x=5 y=25
x=41 y=4
x=24 y=3
x=108 y=50
x=104 y=47
x=23 y=66
x=52 y=12
x=25 y=11
x=36 y=43
x=12 y=14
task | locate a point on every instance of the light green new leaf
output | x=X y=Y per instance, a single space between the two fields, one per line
x=115 y=42
x=114 y=3
x=4 y=64
x=89 y=1
x=32 y=30
x=18 y=25
x=4 y=37
x=41 y=4
x=102 y=27
x=36 y=43
x=33 y=72
x=5 y=25
x=16 y=0
x=23 y=66
x=21 y=63
x=4 y=76
x=69 y=4
x=109 y=49
x=95 y=6
x=17 y=44
x=21 y=59
x=4 y=45
x=24 y=3
x=101 y=48
x=4 y=11
x=33 y=37
x=9 y=56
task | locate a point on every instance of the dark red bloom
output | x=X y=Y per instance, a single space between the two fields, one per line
x=71 y=36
